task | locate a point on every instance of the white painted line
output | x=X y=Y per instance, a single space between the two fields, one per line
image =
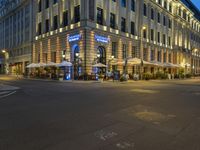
x=125 y=145
x=8 y=94
x=105 y=135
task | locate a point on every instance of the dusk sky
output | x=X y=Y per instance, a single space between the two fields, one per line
x=197 y=3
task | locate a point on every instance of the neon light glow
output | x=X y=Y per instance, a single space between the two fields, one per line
x=101 y=39
x=73 y=38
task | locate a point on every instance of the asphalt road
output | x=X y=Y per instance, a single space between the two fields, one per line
x=153 y=115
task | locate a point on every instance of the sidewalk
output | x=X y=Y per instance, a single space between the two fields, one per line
x=11 y=77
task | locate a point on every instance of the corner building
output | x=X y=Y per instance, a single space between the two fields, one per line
x=112 y=31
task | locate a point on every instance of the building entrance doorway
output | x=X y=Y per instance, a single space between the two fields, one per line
x=76 y=61
x=101 y=53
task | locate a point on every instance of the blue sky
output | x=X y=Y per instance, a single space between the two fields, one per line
x=197 y=3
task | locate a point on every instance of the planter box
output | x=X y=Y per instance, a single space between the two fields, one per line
x=60 y=79
x=100 y=80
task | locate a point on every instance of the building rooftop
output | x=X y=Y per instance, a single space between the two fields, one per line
x=192 y=7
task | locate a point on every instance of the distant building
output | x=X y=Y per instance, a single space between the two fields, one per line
x=16 y=34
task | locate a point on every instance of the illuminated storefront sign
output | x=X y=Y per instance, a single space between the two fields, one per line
x=73 y=38
x=102 y=39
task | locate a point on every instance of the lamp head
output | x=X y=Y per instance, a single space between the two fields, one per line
x=77 y=54
x=143 y=27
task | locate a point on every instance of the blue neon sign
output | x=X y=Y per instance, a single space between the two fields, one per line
x=74 y=38
x=101 y=39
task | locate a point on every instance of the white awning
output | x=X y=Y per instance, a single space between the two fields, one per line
x=99 y=65
x=65 y=64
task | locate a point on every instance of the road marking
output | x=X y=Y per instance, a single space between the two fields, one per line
x=105 y=135
x=4 y=92
x=13 y=92
x=125 y=145
x=144 y=91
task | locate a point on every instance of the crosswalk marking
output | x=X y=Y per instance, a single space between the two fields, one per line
x=6 y=93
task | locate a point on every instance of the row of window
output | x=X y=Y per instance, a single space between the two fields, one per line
x=55 y=20
x=153 y=16
x=165 y=5
x=135 y=53
x=183 y=14
x=152 y=37
x=46 y=4
x=21 y=51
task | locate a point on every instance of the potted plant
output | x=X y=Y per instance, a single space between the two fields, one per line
x=147 y=76
x=101 y=77
x=123 y=78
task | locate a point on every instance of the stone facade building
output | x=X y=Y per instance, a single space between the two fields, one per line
x=16 y=34
x=164 y=34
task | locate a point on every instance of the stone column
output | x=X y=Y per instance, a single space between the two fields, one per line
x=58 y=54
x=68 y=51
x=167 y=56
x=90 y=52
x=49 y=50
x=41 y=52
x=109 y=54
x=120 y=67
x=130 y=67
x=34 y=54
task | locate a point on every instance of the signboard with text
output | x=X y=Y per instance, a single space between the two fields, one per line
x=102 y=39
x=73 y=38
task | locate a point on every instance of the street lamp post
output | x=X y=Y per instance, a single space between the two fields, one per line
x=141 y=52
x=78 y=59
x=64 y=55
x=96 y=60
